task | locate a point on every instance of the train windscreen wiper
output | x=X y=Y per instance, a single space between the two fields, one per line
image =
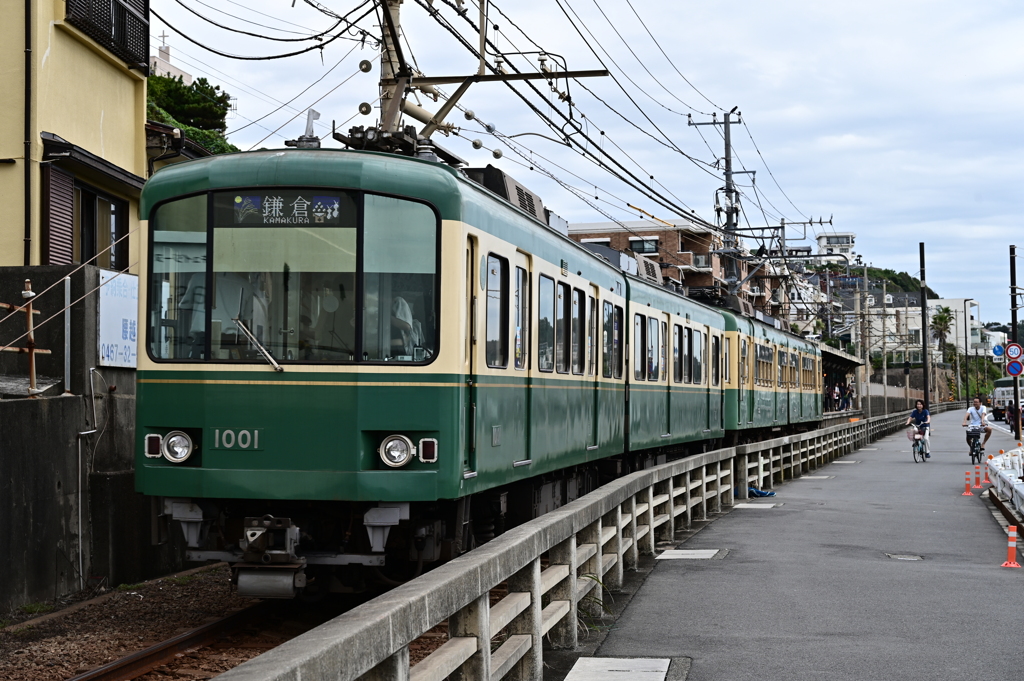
x=259 y=346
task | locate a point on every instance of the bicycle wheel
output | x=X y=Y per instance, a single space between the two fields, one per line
x=918 y=451
x=976 y=452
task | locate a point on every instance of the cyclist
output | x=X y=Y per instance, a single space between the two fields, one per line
x=977 y=415
x=922 y=418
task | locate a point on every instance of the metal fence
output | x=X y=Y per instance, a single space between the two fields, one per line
x=554 y=567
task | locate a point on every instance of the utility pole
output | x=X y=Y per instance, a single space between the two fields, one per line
x=1013 y=333
x=885 y=355
x=866 y=321
x=906 y=349
x=732 y=200
x=924 y=328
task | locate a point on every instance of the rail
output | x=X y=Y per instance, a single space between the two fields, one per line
x=587 y=544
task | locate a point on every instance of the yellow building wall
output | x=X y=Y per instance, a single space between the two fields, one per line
x=80 y=92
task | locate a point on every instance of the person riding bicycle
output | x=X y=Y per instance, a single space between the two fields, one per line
x=922 y=419
x=977 y=415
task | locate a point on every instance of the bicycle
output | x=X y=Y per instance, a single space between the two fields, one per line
x=974 y=440
x=916 y=435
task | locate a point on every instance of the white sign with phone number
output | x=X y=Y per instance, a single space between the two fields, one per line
x=119 y=319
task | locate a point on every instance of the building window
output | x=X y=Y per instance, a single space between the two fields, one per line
x=81 y=223
x=643 y=245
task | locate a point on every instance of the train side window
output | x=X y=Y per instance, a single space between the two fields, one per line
x=716 y=360
x=639 y=345
x=546 y=324
x=607 y=356
x=687 y=354
x=698 y=357
x=652 y=349
x=782 y=368
x=794 y=370
x=522 y=319
x=592 y=338
x=677 y=353
x=579 y=325
x=562 y=329
x=497 y=312
x=620 y=320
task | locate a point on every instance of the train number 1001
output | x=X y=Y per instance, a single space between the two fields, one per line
x=224 y=438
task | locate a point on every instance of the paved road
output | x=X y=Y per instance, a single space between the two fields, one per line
x=807 y=592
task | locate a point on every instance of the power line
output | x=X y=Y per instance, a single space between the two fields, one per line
x=315 y=36
x=358 y=71
x=304 y=91
x=257 y=58
x=640 y=61
x=570 y=139
x=670 y=62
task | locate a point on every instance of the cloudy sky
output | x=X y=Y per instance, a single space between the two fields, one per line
x=898 y=118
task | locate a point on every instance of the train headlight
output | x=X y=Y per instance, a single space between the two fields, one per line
x=396 y=451
x=177 y=446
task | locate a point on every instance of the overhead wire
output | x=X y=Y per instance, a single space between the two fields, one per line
x=358 y=71
x=640 y=61
x=319 y=46
x=315 y=36
x=669 y=60
x=570 y=138
x=304 y=91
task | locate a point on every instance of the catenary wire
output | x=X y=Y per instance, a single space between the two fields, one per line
x=256 y=58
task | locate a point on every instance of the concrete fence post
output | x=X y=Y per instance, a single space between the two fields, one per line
x=632 y=554
x=667 y=531
x=565 y=634
x=529 y=621
x=394 y=668
x=645 y=544
x=474 y=620
x=613 y=578
x=591 y=534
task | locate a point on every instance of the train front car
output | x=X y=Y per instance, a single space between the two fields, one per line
x=300 y=387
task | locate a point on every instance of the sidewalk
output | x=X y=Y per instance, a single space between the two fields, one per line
x=881 y=570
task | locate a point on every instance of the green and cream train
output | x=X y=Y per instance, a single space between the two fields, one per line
x=356 y=363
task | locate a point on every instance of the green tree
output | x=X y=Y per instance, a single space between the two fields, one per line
x=941 y=325
x=199 y=105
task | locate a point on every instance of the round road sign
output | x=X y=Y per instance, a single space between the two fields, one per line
x=1014 y=351
x=1014 y=368
x=997 y=350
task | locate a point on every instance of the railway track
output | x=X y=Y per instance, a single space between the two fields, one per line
x=135 y=665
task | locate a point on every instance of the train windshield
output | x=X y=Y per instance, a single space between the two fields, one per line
x=306 y=275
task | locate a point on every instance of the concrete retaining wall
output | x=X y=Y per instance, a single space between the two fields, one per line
x=42 y=490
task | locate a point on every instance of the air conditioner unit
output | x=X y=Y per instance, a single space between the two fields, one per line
x=648 y=270
x=702 y=260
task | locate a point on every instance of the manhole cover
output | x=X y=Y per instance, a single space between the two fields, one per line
x=904 y=556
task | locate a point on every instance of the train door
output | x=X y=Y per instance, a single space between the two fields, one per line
x=742 y=381
x=663 y=364
x=470 y=361
x=593 y=319
x=701 y=340
x=521 y=361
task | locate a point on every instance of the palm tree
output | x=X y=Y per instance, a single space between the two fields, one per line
x=941 y=326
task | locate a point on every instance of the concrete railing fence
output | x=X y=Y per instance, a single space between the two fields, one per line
x=554 y=567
